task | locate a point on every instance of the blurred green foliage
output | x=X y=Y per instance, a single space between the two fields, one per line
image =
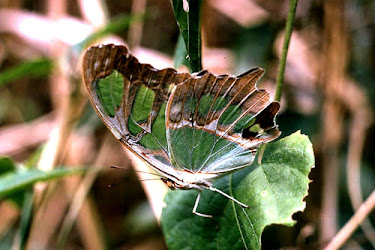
x=36 y=68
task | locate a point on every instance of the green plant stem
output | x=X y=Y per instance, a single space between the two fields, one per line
x=188 y=20
x=288 y=34
x=194 y=44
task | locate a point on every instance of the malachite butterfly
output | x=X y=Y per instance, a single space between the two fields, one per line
x=190 y=128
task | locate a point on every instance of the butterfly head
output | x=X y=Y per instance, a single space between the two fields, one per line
x=185 y=184
x=172 y=184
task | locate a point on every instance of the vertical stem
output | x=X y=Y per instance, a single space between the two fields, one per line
x=332 y=82
x=288 y=34
x=136 y=28
x=194 y=44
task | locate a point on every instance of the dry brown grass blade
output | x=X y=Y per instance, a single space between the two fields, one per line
x=155 y=190
x=332 y=79
x=13 y=143
x=81 y=209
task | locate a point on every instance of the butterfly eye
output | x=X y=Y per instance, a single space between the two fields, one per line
x=171 y=184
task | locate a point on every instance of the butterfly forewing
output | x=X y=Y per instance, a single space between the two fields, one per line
x=131 y=98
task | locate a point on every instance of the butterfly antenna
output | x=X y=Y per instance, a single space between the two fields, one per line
x=151 y=179
x=118 y=167
x=228 y=196
x=138 y=171
x=145 y=172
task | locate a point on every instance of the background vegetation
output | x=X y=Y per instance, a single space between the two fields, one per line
x=46 y=120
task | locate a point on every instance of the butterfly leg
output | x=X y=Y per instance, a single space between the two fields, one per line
x=196 y=206
x=228 y=196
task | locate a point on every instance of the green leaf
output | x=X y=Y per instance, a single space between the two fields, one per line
x=26 y=221
x=274 y=190
x=188 y=19
x=180 y=53
x=35 y=68
x=6 y=165
x=24 y=178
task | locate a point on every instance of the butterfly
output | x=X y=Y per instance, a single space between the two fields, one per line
x=190 y=128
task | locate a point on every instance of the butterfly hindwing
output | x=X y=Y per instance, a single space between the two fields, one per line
x=208 y=116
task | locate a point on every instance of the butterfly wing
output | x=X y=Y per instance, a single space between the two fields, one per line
x=131 y=98
x=215 y=124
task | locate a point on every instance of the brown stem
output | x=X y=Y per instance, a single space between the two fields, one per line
x=332 y=80
x=345 y=232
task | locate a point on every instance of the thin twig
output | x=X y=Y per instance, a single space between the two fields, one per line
x=288 y=34
x=345 y=232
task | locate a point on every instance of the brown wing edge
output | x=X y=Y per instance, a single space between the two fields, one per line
x=266 y=120
x=205 y=82
x=100 y=61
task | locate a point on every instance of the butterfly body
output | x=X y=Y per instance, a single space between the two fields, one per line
x=191 y=128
